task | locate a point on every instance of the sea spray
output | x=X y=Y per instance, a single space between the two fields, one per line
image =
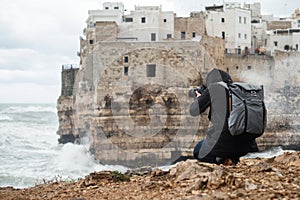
x=29 y=150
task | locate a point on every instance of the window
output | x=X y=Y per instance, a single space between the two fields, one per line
x=106 y=8
x=223 y=20
x=151 y=68
x=116 y=8
x=126 y=71
x=169 y=36
x=245 y=20
x=223 y=35
x=245 y=36
x=286 y=47
x=249 y=67
x=125 y=59
x=194 y=34
x=240 y=19
x=240 y=35
x=236 y=67
x=91 y=41
x=129 y=19
x=297 y=47
x=153 y=37
x=165 y=20
x=275 y=43
x=183 y=35
x=143 y=19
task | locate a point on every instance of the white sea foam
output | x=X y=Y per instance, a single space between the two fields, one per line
x=276 y=151
x=20 y=108
x=29 y=150
x=5 y=118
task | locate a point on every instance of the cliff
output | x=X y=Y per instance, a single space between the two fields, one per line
x=260 y=178
x=130 y=102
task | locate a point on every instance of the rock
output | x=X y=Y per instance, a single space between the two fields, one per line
x=276 y=178
x=249 y=185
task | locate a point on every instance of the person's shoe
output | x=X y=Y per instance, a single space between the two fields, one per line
x=225 y=161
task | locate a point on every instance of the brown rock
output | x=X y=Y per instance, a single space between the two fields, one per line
x=277 y=178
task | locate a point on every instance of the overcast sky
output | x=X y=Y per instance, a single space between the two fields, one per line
x=38 y=36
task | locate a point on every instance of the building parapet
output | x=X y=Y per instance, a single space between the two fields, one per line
x=69 y=66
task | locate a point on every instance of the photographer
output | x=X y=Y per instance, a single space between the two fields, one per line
x=218 y=146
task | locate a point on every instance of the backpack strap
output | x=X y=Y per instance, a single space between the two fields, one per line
x=226 y=86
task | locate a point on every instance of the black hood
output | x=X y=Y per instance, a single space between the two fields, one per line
x=217 y=75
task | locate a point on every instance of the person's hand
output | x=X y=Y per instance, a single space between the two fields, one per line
x=197 y=94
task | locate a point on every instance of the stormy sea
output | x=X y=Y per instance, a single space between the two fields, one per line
x=29 y=150
x=30 y=153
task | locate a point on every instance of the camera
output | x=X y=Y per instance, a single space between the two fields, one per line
x=192 y=92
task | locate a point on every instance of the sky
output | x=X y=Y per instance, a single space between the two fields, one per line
x=38 y=36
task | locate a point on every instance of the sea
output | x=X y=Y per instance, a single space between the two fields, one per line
x=30 y=153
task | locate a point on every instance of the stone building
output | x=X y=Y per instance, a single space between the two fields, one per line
x=128 y=99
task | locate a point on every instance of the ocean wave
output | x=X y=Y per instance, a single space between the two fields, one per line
x=20 y=109
x=5 y=118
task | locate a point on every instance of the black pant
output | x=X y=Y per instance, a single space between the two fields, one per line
x=210 y=158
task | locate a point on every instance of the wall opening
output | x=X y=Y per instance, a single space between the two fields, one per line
x=153 y=37
x=126 y=59
x=143 y=19
x=183 y=35
x=286 y=47
x=223 y=35
x=126 y=69
x=151 y=70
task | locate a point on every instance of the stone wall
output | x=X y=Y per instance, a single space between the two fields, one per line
x=67 y=81
x=133 y=116
x=193 y=24
x=281 y=80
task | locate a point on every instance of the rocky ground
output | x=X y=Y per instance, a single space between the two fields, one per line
x=268 y=178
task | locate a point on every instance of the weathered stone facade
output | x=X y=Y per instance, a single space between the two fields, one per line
x=281 y=80
x=130 y=98
x=133 y=116
x=189 y=27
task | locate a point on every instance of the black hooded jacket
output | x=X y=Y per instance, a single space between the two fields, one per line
x=218 y=140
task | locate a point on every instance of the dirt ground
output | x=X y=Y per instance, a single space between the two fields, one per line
x=269 y=178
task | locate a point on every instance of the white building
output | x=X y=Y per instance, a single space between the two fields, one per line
x=144 y=24
x=112 y=12
x=148 y=24
x=284 y=34
x=232 y=23
x=284 y=40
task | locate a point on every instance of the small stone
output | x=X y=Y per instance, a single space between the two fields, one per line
x=249 y=185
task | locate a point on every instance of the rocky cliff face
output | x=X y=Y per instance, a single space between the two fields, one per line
x=130 y=100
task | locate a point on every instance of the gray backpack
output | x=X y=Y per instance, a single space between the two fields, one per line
x=248 y=113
